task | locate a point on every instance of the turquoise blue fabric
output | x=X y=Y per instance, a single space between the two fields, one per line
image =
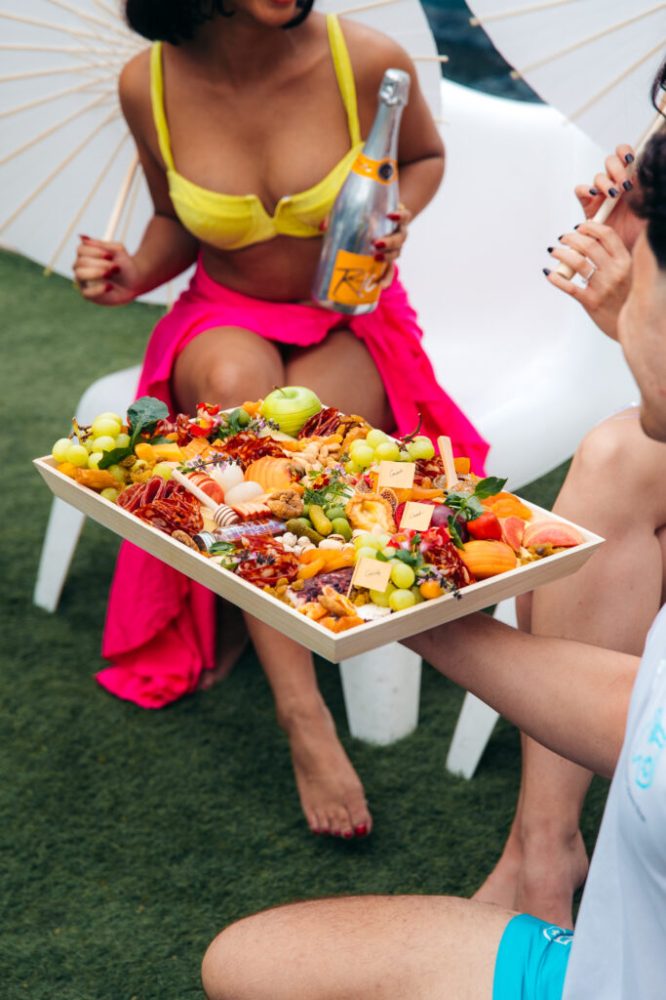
x=531 y=960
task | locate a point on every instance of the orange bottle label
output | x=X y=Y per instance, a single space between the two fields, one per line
x=355 y=279
x=382 y=171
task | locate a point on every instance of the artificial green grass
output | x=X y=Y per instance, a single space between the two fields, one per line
x=129 y=837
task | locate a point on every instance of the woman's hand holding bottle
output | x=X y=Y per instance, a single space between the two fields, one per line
x=389 y=247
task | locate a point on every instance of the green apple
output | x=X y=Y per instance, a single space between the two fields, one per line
x=290 y=407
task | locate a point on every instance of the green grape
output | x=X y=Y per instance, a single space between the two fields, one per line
x=399 y=600
x=106 y=425
x=60 y=449
x=375 y=437
x=421 y=447
x=384 y=538
x=387 y=451
x=352 y=469
x=110 y=415
x=89 y=444
x=365 y=552
x=361 y=453
x=77 y=455
x=164 y=469
x=104 y=443
x=402 y=575
x=373 y=542
x=418 y=596
x=110 y=494
x=94 y=459
x=117 y=472
x=381 y=598
x=122 y=440
x=404 y=456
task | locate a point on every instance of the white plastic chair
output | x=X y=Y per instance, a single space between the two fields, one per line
x=115 y=393
x=522 y=360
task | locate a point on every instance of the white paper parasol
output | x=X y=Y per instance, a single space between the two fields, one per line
x=67 y=161
x=593 y=60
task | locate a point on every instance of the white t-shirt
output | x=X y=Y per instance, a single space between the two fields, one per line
x=619 y=948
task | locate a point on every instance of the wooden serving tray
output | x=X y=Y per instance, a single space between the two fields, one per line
x=331 y=646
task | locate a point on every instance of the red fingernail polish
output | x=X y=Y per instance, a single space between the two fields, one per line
x=82 y=237
x=380 y=256
x=394 y=216
x=108 y=287
x=380 y=244
x=361 y=830
x=112 y=270
x=108 y=256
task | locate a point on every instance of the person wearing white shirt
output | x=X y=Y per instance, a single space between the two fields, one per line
x=594 y=706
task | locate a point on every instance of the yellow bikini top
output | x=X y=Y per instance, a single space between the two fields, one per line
x=230 y=222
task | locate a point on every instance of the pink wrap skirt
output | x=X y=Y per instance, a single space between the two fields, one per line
x=160 y=625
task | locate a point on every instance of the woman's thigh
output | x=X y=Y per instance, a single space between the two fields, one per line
x=226 y=365
x=342 y=373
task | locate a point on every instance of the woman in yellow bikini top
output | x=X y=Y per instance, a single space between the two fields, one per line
x=238 y=104
x=231 y=222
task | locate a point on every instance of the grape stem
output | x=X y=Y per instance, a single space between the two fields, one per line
x=414 y=433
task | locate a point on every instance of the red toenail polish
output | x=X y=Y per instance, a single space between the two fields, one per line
x=348 y=834
x=361 y=830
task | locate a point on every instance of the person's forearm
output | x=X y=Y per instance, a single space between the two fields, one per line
x=166 y=250
x=419 y=182
x=571 y=697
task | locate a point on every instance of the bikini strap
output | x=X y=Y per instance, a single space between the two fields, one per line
x=345 y=75
x=157 y=101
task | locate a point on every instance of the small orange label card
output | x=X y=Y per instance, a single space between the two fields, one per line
x=355 y=279
x=417 y=516
x=446 y=451
x=371 y=574
x=396 y=475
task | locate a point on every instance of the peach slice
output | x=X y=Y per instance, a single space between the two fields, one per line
x=513 y=529
x=555 y=533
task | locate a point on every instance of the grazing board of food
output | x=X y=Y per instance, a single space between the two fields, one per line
x=329 y=530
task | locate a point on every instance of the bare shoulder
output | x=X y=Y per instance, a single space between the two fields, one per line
x=372 y=53
x=134 y=87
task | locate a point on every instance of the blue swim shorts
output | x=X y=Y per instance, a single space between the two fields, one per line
x=531 y=960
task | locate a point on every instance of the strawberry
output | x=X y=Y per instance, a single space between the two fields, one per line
x=487 y=526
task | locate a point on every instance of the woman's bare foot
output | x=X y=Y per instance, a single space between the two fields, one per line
x=550 y=873
x=330 y=790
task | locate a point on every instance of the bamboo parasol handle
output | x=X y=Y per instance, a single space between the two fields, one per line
x=605 y=210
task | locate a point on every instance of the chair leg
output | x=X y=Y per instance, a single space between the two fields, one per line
x=476 y=720
x=381 y=691
x=60 y=541
x=473 y=730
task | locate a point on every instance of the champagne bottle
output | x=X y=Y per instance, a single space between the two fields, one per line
x=348 y=276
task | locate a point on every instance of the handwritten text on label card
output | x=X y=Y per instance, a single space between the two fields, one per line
x=416 y=516
x=371 y=574
x=397 y=475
